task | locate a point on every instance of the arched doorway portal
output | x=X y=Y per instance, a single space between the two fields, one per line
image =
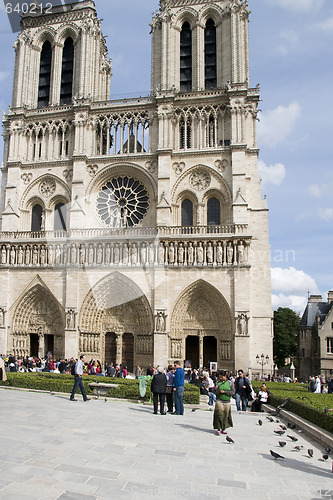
x=38 y=325
x=117 y=314
x=192 y=350
x=201 y=323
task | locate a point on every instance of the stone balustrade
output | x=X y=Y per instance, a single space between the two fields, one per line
x=216 y=251
x=121 y=233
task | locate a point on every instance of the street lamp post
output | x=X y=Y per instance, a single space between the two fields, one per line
x=262 y=360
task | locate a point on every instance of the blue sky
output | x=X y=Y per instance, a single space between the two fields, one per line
x=291 y=55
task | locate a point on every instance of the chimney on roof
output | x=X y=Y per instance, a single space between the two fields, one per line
x=330 y=296
x=315 y=298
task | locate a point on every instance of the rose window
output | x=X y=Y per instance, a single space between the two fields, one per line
x=122 y=202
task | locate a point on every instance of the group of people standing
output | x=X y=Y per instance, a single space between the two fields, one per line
x=170 y=387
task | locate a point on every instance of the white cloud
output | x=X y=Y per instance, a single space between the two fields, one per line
x=290 y=287
x=299 y=5
x=277 y=124
x=294 y=302
x=326 y=25
x=291 y=281
x=326 y=214
x=290 y=41
x=4 y=75
x=272 y=174
x=315 y=190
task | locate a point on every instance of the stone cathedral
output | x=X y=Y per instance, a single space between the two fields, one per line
x=134 y=230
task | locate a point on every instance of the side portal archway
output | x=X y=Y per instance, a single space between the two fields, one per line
x=39 y=325
x=201 y=327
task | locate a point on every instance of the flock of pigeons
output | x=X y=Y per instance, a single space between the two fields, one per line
x=283 y=429
x=292 y=439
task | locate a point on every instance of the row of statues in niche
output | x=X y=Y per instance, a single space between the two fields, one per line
x=90 y=343
x=192 y=253
x=177 y=349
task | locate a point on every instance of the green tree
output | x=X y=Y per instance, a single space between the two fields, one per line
x=286 y=323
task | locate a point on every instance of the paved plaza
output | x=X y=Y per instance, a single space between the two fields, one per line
x=52 y=448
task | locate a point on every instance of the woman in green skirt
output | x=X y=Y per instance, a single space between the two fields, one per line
x=222 y=414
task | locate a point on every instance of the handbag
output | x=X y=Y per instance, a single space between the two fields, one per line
x=168 y=389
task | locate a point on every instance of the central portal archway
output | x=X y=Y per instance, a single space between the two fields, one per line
x=117 y=316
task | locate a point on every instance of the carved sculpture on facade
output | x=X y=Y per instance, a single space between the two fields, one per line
x=2 y=316
x=70 y=321
x=161 y=321
x=176 y=348
x=242 y=324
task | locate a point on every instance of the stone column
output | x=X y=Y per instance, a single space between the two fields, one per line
x=201 y=354
x=119 y=348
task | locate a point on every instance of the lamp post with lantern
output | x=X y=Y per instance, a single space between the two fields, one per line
x=262 y=360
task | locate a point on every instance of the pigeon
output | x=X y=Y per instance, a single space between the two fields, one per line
x=275 y=455
x=52 y=393
x=310 y=453
x=271 y=419
x=229 y=440
x=328 y=449
x=259 y=422
x=283 y=427
x=325 y=457
x=105 y=400
x=280 y=433
x=194 y=409
x=277 y=420
x=298 y=448
x=282 y=443
x=292 y=438
x=291 y=425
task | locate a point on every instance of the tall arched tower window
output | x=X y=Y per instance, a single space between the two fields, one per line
x=210 y=55
x=45 y=75
x=213 y=212
x=60 y=217
x=36 y=218
x=66 y=89
x=186 y=58
x=187 y=213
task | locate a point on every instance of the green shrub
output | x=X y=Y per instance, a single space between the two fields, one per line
x=55 y=382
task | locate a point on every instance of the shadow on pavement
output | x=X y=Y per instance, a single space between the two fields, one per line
x=291 y=463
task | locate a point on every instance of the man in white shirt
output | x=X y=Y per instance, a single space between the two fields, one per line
x=78 y=382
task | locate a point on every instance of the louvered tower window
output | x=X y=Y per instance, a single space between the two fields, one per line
x=66 y=88
x=187 y=213
x=213 y=212
x=60 y=217
x=186 y=58
x=36 y=218
x=210 y=55
x=45 y=75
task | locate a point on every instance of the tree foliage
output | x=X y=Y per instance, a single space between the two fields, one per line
x=286 y=323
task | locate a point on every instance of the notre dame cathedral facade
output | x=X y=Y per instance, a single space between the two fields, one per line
x=134 y=230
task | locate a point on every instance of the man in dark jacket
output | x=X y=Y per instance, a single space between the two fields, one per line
x=158 y=388
x=243 y=390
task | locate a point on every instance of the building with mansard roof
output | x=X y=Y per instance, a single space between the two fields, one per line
x=315 y=338
x=134 y=231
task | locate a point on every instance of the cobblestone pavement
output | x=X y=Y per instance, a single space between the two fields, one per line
x=52 y=448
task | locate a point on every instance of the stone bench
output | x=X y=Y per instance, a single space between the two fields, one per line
x=100 y=389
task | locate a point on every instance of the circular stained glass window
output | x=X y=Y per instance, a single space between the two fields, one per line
x=122 y=202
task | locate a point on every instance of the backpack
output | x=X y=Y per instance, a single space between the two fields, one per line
x=73 y=369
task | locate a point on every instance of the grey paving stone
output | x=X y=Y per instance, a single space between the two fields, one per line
x=85 y=471
x=233 y=484
x=72 y=495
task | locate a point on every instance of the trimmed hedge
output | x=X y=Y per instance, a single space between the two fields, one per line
x=55 y=382
x=308 y=405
